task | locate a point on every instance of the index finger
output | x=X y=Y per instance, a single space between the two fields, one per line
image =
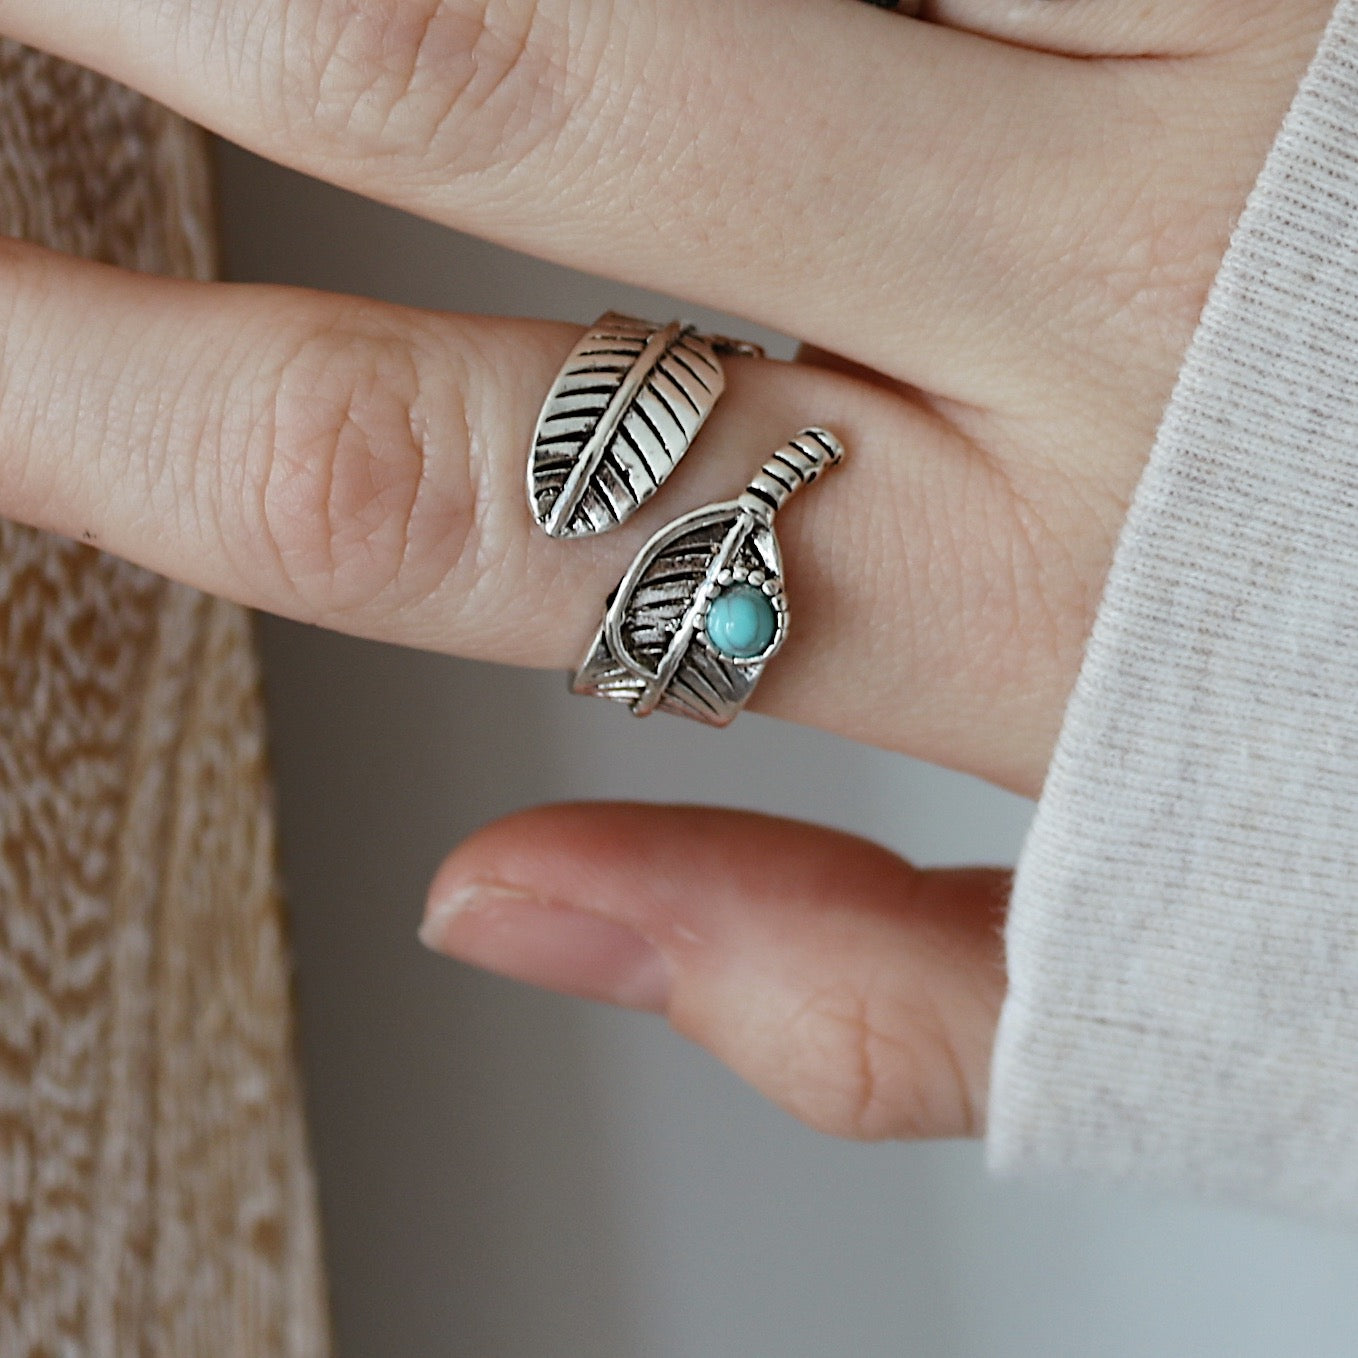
x=813 y=165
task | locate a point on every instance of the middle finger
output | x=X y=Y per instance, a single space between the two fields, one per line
x=361 y=466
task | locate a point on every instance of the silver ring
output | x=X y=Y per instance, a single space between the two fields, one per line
x=625 y=407
x=701 y=610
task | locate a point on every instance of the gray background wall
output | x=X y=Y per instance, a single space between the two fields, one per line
x=506 y=1174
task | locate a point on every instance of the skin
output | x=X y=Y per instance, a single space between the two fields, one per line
x=994 y=231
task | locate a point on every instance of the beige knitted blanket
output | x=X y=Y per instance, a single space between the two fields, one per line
x=155 y=1193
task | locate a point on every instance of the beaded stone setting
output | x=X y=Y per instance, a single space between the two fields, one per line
x=701 y=609
x=741 y=622
x=745 y=619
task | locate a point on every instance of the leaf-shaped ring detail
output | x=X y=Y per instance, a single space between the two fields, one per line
x=702 y=610
x=627 y=404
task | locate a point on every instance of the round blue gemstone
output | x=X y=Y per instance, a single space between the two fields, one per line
x=741 y=622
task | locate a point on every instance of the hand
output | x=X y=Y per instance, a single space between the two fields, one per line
x=999 y=251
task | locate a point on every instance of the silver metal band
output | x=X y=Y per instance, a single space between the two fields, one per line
x=626 y=406
x=702 y=610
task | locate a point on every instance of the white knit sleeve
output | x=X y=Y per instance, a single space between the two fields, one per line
x=1183 y=939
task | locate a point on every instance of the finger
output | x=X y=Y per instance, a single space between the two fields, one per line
x=856 y=181
x=855 y=991
x=1124 y=28
x=361 y=466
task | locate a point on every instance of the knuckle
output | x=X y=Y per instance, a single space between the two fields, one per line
x=479 y=82
x=1033 y=610
x=348 y=506
x=864 y=1067
x=1152 y=283
x=1028 y=589
x=1139 y=253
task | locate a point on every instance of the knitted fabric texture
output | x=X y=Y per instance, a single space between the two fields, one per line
x=1183 y=938
x=156 y=1193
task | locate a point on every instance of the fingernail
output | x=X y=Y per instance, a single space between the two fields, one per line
x=518 y=934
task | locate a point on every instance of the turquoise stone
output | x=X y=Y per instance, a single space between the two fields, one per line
x=741 y=622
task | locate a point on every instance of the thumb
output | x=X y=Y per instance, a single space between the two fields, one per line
x=859 y=993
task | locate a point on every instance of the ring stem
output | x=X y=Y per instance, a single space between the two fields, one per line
x=798 y=463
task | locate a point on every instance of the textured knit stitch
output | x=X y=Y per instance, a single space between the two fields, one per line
x=1183 y=940
x=156 y=1194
